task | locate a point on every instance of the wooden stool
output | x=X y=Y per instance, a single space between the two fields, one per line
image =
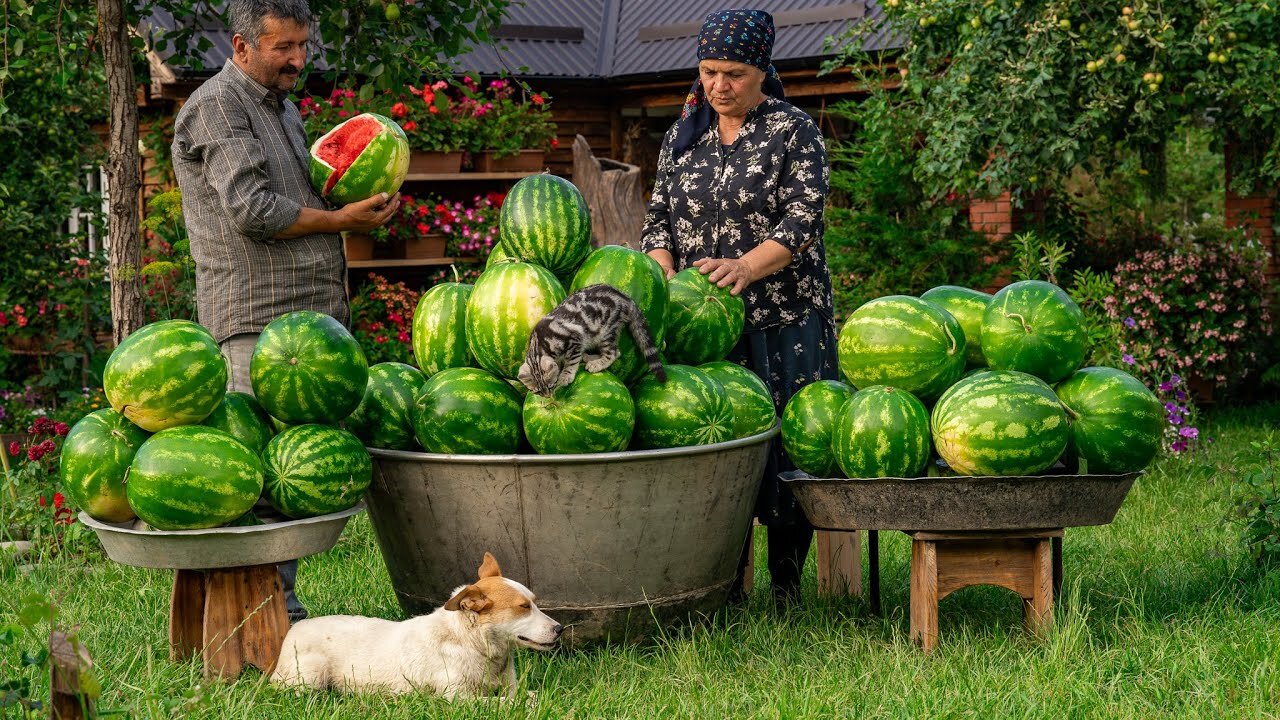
x=232 y=616
x=943 y=562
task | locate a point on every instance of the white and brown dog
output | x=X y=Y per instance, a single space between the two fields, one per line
x=463 y=649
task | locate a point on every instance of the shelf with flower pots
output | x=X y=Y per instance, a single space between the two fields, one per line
x=448 y=177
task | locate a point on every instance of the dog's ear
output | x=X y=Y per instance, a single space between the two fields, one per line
x=489 y=568
x=469 y=598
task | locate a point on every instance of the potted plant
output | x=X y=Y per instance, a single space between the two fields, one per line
x=468 y=229
x=413 y=232
x=511 y=133
x=382 y=318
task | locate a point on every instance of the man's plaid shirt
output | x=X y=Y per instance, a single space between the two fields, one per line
x=241 y=157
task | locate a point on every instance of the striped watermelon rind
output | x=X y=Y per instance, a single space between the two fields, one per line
x=166 y=374
x=507 y=302
x=752 y=401
x=1034 y=327
x=808 y=422
x=312 y=470
x=704 y=321
x=242 y=417
x=882 y=432
x=1117 y=423
x=384 y=418
x=592 y=414
x=640 y=278
x=967 y=307
x=902 y=342
x=1000 y=422
x=468 y=411
x=380 y=167
x=545 y=221
x=307 y=368
x=690 y=408
x=96 y=455
x=193 y=477
x=440 y=329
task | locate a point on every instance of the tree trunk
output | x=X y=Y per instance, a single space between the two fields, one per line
x=613 y=193
x=122 y=171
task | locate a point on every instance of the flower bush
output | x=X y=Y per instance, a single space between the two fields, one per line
x=382 y=318
x=507 y=124
x=1194 y=306
x=428 y=115
x=168 y=272
x=35 y=508
x=471 y=230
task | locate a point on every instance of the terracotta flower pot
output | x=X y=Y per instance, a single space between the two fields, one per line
x=435 y=162
x=524 y=161
x=424 y=246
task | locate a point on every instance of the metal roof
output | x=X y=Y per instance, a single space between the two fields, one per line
x=593 y=39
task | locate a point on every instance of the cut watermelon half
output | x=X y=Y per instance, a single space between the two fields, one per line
x=341 y=146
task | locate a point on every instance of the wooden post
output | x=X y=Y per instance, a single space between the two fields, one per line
x=229 y=617
x=613 y=193
x=839 y=563
x=72 y=688
x=924 y=594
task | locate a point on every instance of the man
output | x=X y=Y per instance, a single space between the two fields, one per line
x=264 y=243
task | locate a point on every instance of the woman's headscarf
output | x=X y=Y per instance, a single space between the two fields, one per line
x=744 y=36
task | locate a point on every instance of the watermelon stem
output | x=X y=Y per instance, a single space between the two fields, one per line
x=1072 y=415
x=1025 y=327
x=454 y=268
x=952 y=338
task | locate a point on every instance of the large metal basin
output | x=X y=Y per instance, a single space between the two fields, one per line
x=613 y=544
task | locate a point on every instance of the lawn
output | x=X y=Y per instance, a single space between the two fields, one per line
x=1163 y=615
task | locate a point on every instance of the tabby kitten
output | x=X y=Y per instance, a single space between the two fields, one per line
x=584 y=327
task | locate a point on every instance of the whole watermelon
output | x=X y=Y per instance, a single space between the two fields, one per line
x=903 y=342
x=640 y=278
x=1117 y=424
x=193 y=477
x=166 y=374
x=592 y=414
x=752 y=400
x=242 y=417
x=882 y=432
x=361 y=157
x=508 y=300
x=704 y=321
x=315 y=470
x=307 y=368
x=1000 y=422
x=440 y=329
x=690 y=408
x=808 y=422
x=468 y=411
x=544 y=220
x=967 y=307
x=1034 y=327
x=384 y=418
x=96 y=455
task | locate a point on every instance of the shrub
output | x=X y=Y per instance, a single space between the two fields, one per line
x=382 y=318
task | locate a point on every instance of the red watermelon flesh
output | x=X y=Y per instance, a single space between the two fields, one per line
x=340 y=148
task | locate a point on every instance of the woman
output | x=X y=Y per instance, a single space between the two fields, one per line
x=741 y=186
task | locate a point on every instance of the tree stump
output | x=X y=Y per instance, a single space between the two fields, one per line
x=232 y=617
x=72 y=685
x=613 y=194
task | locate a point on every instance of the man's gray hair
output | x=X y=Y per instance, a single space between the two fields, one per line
x=246 y=16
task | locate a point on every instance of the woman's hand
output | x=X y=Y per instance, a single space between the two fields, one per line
x=726 y=272
x=665 y=260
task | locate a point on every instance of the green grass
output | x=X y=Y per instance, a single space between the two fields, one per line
x=1163 y=616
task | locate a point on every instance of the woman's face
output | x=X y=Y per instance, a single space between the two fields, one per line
x=731 y=87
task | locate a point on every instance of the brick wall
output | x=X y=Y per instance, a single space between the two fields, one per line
x=1256 y=213
x=998 y=218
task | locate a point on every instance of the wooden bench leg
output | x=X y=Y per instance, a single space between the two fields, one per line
x=924 y=593
x=186 y=615
x=839 y=563
x=1037 y=610
x=245 y=620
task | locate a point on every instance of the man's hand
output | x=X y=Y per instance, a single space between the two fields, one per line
x=369 y=214
x=726 y=272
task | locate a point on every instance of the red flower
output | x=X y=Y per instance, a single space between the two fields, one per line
x=4 y=319
x=422 y=211
x=58 y=499
x=22 y=321
x=375 y=327
x=380 y=339
x=424 y=229
x=64 y=516
x=41 y=426
x=61 y=429
x=15 y=448
x=399 y=110
x=404 y=336
x=440 y=208
x=537 y=99
x=409 y=126
x=555 y=142
x=43 y=502
x=433 y=109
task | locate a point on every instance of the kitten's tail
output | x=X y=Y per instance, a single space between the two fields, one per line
x=644 y=341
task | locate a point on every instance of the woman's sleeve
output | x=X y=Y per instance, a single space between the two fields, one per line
x=802 y=190
x=657 y=220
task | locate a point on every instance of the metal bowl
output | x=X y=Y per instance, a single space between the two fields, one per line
x=613 y=544
x=222 y=547
x=961 y=503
